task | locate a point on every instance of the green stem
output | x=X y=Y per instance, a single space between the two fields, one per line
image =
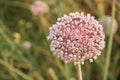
x=109 y=44
x=101 y=11
x=67 y=72
x=52 y=74
x=79 y=71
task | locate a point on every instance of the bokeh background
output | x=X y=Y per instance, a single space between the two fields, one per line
x=24 y=48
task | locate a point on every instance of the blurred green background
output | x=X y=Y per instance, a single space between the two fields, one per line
x=24 y=48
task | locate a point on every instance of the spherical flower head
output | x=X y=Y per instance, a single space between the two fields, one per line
x=76 y=37
x=39 y=7
x=106 y=23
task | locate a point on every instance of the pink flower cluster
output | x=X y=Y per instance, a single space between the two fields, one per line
x=39 y=7
x=76 y=37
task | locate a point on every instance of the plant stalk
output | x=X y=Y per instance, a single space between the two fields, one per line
x=79 y=71
x=109 y=48
x=67 y=75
